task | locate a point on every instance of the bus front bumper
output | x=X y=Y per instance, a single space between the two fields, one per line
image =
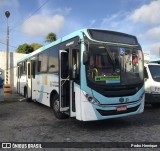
x=92 y=112
x=152 y=98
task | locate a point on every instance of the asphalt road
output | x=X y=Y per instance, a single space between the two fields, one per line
x=22 y=121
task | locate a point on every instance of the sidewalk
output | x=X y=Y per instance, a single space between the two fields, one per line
x=13 y=97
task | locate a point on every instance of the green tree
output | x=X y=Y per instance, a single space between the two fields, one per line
x=25 y=48
x=51 y=37
x=36 y=46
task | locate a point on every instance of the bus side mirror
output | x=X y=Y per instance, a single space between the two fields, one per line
x=85 y=57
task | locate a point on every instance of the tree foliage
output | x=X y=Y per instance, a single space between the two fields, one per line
x=36 y=46
x=25 y=48
x=51 y=37
x=28 y=48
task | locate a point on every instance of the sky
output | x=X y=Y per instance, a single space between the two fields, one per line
x=30 y=21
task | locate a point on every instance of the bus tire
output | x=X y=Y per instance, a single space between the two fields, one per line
x=55 y=107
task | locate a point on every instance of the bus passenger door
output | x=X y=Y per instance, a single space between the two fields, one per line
x=64 y=82
x=29 y=80
x=75 y=93
x=33 y=80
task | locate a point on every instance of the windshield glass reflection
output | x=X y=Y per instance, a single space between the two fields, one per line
x=155 y=72
x=114 y=65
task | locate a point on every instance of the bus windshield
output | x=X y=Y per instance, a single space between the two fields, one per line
x=155 y=72
x=114 y=65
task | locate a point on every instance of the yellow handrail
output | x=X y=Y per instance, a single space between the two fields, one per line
x=94 y=72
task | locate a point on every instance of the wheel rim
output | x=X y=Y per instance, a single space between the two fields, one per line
x=56 y=105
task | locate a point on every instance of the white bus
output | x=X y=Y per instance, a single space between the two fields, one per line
x=91 y=74
x=152 y=84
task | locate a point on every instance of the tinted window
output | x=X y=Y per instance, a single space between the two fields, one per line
x=53 y=60
x=24 y=67
x=110 y=36
x=43 y=62
x=18 y=72
x=21 y=69
x=29 y=69
x=33 y=69
x=155 y=72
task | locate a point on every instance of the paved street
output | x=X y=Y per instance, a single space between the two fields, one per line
x=30 y=121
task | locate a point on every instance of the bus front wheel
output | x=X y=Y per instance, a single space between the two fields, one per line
x=56 y=108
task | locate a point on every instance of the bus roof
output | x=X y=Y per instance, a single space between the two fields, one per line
x=52 y=44
x=76 y=33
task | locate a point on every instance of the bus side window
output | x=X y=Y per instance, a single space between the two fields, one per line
x=24 y=67
x=145 y=73
x=43 y=62
x=53 y=60
x=21 y=70
x=39 y=66
x=33 y=69
x=18 y=72
x=28 y=70
x=64 y=65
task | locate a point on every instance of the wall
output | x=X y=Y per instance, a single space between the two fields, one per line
x=1 y=85
x=12 y=64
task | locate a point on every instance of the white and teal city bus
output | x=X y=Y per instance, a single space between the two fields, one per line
x=91 y=74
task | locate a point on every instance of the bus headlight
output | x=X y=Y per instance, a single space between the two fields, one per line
x=92 y=100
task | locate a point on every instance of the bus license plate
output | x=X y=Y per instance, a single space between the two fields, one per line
x=121 y=108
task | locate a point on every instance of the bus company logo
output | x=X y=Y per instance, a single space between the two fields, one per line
x=6 y=145
x=70 y=43
x=121 y=100
x=127 y=99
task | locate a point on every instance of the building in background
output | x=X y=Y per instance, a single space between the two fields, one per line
x=155 y=60
x=13 y=58
x=146 y=57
